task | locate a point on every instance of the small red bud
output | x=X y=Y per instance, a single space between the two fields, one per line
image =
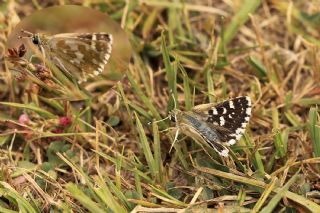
x=64 y=121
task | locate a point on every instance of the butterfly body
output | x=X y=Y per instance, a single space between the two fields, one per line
x=215 y=125
x=81 y=55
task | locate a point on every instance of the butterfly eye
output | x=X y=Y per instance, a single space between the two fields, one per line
x=35 y=40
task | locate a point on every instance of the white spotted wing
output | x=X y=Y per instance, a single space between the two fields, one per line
x=229 y=118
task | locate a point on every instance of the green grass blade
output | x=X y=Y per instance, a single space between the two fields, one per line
x=36 y=109
x=146 y=147
x=171 y=72
x=166 y=197
x=264 y=195
x=85 y=200
x=186 y=88
x=210 y=86
x=16 y=199
x=157 y=152
x=117 y=193
x=259 y=162
x=278 y=142
x=107 y=197
x=239 y=19
x=314 y=130
x=138 y=183
x=147 y=101
x=5 y=210
x=150 y=22
x=260 y=69
x=293 y=118
x=280 y=194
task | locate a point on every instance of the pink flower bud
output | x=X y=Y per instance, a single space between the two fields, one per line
x=24 y=119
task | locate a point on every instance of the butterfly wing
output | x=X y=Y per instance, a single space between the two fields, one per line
x=228 y=118
x=81 y=55
x=192 y=125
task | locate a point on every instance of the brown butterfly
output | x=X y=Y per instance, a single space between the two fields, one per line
x=81 y=55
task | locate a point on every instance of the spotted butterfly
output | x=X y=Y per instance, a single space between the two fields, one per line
x=217 y=125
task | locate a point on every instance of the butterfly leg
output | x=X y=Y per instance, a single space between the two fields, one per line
x=32 y=57
x=60 y=65
x=218 y=147
x=175 y=139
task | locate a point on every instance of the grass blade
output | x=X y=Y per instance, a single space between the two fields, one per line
x=280 y=194
x=146 y=147
x=86 y=201
x=314 y=130
x=171 y=72
x=186 y=88
x=15 y=198
x=242 y=15
x=36 y=109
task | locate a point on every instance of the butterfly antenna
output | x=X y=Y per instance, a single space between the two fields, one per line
x=27 y=34
x=174 y=100
x=159 y=120
x=168 y=117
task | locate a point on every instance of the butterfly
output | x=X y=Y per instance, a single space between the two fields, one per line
x=215 y=125
x=80 y=55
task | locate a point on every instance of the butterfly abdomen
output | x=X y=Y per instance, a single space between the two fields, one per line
x=194 y=126
x=202 y=128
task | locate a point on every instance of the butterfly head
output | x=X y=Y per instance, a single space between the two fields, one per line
x=174 y=115
x=36 y=39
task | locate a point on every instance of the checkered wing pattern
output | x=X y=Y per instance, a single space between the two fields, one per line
x=81 y=55
x=217 y=124
x=230 y=118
